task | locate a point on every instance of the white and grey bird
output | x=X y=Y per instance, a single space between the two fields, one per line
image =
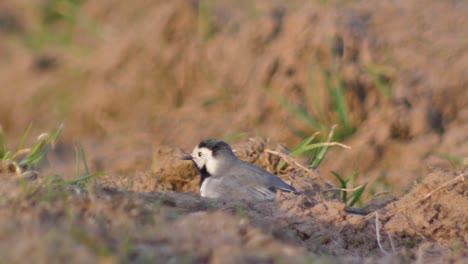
x=223 y=175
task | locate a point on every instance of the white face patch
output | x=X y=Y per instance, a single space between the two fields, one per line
x=203 y=157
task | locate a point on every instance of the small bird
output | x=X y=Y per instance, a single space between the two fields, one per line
x=224 y=175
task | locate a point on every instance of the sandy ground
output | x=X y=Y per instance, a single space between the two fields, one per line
x=139 y=83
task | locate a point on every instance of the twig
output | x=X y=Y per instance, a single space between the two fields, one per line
x=330 y=135
x=391 y=243
x=461 y=177
x=343 y=189
x=445 y=185
x=290 y=161
x=377 y=228
x=331 y=144
x=381 y=193
x=332 y=131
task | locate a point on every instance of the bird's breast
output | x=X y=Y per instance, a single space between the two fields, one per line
x=209 y=188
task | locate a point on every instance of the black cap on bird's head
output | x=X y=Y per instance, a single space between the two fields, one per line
x=215 y=145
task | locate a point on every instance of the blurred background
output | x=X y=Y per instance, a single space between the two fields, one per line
x=126 y=77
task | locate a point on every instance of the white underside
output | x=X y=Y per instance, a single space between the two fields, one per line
x=206 y=189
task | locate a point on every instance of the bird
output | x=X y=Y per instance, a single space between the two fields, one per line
x=224 y=175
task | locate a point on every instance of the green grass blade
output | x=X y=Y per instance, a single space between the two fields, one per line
x=340 y=179
x=37 y=153
x=343 y=184
x=304 y=144
x=85 y=178
x=81 y=154
x=340 y=104
x=338 y=97
x=23 y=138
x=7 y=155
x=299 y=149
x=80 y=158
x=319 y=156
x=77 y=161
x=3 y=145
x=40 y=149
x=57 y=133
x=313 y=146
x=322 y=152
x=358 y=195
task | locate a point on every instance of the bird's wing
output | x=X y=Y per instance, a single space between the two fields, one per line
x=243 y=186
x=264 y=178
x=262 y=193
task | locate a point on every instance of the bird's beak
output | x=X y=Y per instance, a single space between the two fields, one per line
x=186 y=157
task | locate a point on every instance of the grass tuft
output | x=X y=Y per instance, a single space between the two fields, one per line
x=319 y=115
x=40 y=149
x=320 y=112
x=317 y=149
x=23 y=159
x=57 y=22
x=80 y=161
x=356 y=193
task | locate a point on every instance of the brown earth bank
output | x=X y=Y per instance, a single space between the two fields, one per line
x=139 y=83
x=109 y=220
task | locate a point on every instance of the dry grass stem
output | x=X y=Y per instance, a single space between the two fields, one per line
x=344 y=189
x=377 y=231
x=460 y=177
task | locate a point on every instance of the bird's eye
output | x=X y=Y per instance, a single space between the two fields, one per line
x=199 y=154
